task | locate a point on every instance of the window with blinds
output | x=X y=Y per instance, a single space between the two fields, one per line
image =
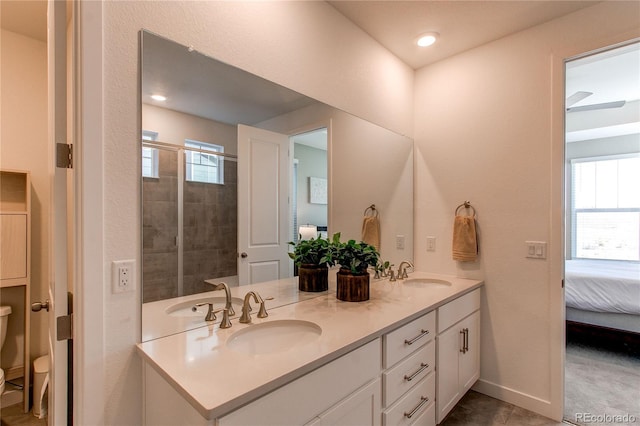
x=605 y=207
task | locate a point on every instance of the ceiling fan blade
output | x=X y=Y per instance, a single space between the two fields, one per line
x=577 y=97
x=604 y=105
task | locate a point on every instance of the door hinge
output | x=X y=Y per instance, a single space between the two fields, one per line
x=64 y=327
x=64 y=156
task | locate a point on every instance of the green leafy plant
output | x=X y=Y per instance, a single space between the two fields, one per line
x=316 y=251
x=356 y=257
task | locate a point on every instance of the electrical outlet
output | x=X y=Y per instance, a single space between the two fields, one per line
x=431 y=243
x=122 y=276
x=400 y=242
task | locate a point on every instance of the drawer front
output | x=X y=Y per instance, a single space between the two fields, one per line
x=457 y=309
x=413 y=405
x=408 y=338
x=409 y=372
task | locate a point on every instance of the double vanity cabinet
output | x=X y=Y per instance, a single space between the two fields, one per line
x=405 y=357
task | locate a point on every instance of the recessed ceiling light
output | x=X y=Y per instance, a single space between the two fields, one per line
x=427 y=39
x=159 y=98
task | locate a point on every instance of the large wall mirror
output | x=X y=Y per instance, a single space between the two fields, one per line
x=235 y=166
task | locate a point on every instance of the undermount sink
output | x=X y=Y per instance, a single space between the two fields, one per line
x=423 y=282
x=184 y=309
x=273 y=336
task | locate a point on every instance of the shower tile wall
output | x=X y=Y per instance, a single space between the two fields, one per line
x=209 y=229
x=159 y=230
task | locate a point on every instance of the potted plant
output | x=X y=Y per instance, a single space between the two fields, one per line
x=313 y=258
x=354 y=260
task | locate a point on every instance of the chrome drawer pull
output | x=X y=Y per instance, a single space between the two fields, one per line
x=423 y=400
x=423 y=367
x=412 y=341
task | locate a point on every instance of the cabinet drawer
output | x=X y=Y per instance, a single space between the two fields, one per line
x=415 y=403
x=407 y=373
x=457 y=309
x=408 y=338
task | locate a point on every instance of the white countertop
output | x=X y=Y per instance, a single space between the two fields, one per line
x=215 y=379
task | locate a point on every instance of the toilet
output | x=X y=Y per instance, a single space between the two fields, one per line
x=4 y=318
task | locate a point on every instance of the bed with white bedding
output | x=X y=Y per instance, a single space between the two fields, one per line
x=604 y=293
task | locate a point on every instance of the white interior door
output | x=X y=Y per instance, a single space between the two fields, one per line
x=263 y=205
x=57 y=76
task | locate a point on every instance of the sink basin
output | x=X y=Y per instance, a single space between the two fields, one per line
x=183 y=309
x=424 y=282
x=273 y=336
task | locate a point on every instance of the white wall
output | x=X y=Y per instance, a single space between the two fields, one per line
x=368 y=164
x=174 y=127
x=312 y=162
x=307 y=46
x=24 y=147
x=490 y=131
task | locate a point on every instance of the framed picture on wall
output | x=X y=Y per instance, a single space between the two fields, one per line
x=317 y=190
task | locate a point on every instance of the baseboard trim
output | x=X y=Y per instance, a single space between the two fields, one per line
x=512 y=396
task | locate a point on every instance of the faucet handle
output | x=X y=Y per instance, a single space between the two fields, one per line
x=263 y=310
x=211 y=315
x=392 y=275
x=226 y=322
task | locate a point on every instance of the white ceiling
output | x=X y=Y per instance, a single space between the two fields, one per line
x=462 y=25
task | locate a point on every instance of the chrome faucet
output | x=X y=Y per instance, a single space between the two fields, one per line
x=245 y=318
x=402 y=272
x=227 y=293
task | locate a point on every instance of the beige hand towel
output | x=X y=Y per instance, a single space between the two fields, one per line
x=371 y=231
x=465 y=239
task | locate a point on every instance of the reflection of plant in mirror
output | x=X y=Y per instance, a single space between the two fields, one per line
x=380 y=268
x=356 y=257
x=316 y=251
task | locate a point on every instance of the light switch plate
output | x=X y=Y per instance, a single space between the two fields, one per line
x=400 y=242
x=431 y=243
x=536 y=249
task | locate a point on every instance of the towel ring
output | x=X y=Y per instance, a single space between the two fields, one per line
x=466 y=205
x=371 y=210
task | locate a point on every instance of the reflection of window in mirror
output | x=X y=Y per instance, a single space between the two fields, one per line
x=203 y=167
x=149 y=155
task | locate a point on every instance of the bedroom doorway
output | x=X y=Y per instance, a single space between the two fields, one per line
x=602 y=255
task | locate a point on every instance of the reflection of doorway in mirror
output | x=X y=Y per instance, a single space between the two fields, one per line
x=310 y=181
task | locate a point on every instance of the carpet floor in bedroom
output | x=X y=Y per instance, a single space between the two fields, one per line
x=601 y=382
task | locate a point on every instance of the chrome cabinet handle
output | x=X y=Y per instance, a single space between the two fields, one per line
x=423 y=367
x=423 y=400
x=412 y=341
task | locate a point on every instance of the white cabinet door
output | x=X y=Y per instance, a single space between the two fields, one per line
x=458 y=362
x=470 y=360
x=362 y=408
x=449 y=345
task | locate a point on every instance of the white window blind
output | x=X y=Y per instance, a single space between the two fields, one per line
x=201 y=166
x=605 y=208
x=149 y=155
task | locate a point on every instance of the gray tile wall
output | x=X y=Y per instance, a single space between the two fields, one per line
x=210 y=231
